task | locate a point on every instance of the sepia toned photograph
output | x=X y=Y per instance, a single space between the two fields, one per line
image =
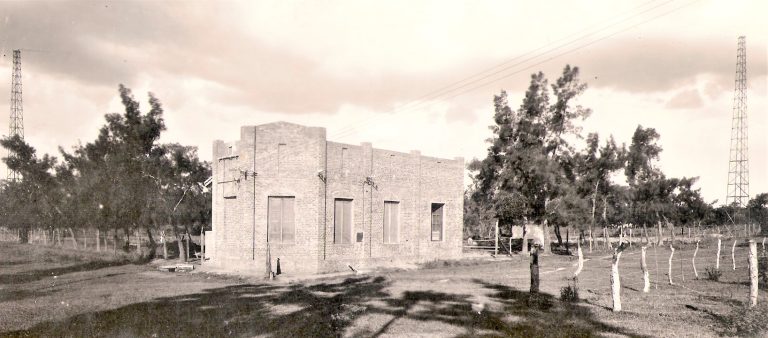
x=337 y=168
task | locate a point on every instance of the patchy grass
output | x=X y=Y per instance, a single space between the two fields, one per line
x=105 y=296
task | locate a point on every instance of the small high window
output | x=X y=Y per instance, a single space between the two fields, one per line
x=437 y=221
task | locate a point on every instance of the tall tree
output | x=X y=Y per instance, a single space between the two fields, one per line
x=31 y=202
x=526 y=173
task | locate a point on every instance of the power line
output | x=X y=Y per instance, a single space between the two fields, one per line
x=532 y=65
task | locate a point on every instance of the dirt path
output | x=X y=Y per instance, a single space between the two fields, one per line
x=76 y=298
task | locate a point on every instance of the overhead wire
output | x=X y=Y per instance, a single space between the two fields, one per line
x=394 y=113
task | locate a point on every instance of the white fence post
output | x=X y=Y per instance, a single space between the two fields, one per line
x=752 y=273
x=644 y=267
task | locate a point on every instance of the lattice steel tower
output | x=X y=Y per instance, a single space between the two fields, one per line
x=17 y=106
x=738 y=163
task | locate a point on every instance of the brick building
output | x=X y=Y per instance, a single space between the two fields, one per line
x=324 y=205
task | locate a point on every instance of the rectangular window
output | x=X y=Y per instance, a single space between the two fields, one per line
x=342 y=221
x=281 y=220
x=437 y=221
x=391 y=222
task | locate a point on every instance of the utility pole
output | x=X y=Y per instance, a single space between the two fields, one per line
x=16 y=124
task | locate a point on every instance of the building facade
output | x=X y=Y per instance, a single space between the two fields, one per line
x=284 y=191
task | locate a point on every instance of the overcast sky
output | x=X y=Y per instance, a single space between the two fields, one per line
x=362 y=70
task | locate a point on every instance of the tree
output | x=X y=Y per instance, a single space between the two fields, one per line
x=594 y=167
x=757 y=208
x=32 y=201
x=525 y=175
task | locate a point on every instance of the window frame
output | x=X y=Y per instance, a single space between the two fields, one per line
x=350 y=231
x=441 y=209
x=384 y=231
x=281 y=239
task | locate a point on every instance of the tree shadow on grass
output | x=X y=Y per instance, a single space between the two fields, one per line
x=541 y=315
x=35 y=275
x=321 y=310
x=328 y=310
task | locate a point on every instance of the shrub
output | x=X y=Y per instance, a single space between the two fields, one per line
x=569 y=294
x=746 y=322
x=713 y=274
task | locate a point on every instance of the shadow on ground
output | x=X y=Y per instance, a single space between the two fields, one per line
x=330 y=309
x=35 y=275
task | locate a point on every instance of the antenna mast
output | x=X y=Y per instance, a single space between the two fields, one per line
x=738 y=163
x=17 y=107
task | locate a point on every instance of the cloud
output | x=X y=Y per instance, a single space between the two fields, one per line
x=659 y=64
x=686 y=99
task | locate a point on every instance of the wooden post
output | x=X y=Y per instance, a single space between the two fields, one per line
x=202 y=244
x=74 y=241
x=752 y=273
x=693 y=260
x=670 y=263
x=58 y=236
x=495 y=242
x=187 y=253
x=524 y=249
x=733 y=254
x=592 y=238
x=85 y=240
x=630 y=237
x=763 y=243
x=644 y=267
x=717 y=262
x=535 y=269
x=689 y=232
x=615 y=279
x=605 y=237
x=98 y=240
x=581 y=260
x=165 y=246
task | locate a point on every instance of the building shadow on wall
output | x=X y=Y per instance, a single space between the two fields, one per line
x=328 y=310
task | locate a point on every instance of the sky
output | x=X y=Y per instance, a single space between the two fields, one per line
x=404 y=75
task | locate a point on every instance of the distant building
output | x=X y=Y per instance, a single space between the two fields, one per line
x=324 y=205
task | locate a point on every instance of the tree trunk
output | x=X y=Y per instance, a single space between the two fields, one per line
x=558 y=235
x=671 y=231
x=74 y=241
x=733 y=254
x=23 y=235
x=615 y=279
x=592 y=225
x=547 y=243
x=658 y=236
x=670 y=263
x=524 y=248
x=645 y=231
x=180 y=243
x=717 y=261
x=535 y=269
x=605 y=238
x=163 y=240
x=581 y=261
x=752 y=274
x=151 y=254
x=693 y=260
x=187 y=236
x=644 y=267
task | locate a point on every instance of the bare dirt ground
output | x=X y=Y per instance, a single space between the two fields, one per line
x=58 y=292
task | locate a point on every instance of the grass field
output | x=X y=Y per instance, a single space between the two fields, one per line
x=49 y=292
